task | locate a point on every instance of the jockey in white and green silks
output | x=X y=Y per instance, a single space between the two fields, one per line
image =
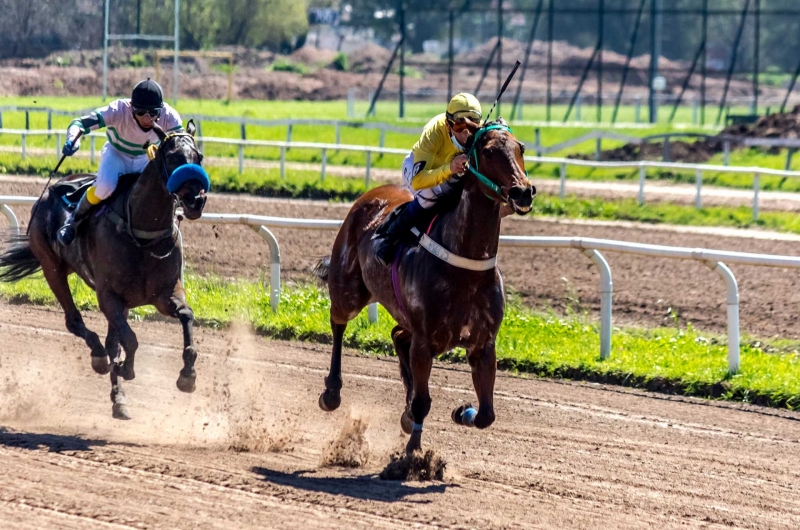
x=129 y=125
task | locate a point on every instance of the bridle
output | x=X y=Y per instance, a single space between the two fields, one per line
x=472 y=154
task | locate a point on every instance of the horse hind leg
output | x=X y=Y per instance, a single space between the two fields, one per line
x=56 y=276
x=402 y=344
x=117 y=316
x=331 y=398
x=349 y=296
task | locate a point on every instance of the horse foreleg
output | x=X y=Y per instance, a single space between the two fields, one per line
x=175 y=306
x=483 y=362
x=117 y=316
x=56 y=277
x=421 y=362
x=402 y=343
x=331 y=398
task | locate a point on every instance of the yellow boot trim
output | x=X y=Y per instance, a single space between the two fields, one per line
x=92 y=197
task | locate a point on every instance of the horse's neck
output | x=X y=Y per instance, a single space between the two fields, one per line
x=151 y=206
x=472 y=230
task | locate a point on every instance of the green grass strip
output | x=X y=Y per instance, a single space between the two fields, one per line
x=665 y=360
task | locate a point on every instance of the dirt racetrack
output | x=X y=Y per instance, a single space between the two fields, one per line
x=560 y=455
x=647 y=291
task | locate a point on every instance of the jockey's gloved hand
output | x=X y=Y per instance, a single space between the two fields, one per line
x=71 y=147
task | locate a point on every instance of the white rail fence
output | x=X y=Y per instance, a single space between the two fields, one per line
x=325 y=148
x=714 y=259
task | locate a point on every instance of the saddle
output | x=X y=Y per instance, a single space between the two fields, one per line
x=72 y=189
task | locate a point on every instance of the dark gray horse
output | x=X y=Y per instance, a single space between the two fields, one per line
x=128 y=253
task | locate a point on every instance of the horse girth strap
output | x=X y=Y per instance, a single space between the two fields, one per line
x=456 y=261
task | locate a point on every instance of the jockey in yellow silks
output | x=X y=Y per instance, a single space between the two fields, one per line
x=430 y=170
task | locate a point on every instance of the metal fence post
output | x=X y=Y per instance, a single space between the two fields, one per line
x=288 y=135
x=24 y=150
x=698 y=179
x=369 y=164
x=324 y=163
x=606 y=295
x=638 y=110
x=283 y=163
x=372 y=312
x=243 y=131
x=58 y=144
x=241 y=158
x=563 y=187
x=732 y=299
x=642 y=176
x=1 y=119
x=49 y=122
x=538 y=139
x=274 y=265
x=598 y=149
x=726 y=150
x=756 y=186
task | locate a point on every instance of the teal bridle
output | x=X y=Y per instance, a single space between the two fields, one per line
x=472 y=157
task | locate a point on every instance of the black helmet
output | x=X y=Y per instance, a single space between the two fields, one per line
x=147 y=94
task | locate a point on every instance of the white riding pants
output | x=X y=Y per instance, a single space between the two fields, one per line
x=113 y=164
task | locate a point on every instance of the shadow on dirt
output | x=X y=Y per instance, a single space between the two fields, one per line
x=365 y=487
x=54 y=443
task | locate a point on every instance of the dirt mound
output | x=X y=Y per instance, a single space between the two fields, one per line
x=312 y=56
x=417 y=466
x=777 y=125
x=773 y=126
x=369 y=59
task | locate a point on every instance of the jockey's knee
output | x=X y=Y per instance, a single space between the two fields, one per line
x=103 y=190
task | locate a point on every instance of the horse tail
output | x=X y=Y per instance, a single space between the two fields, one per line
x=322 y=268
x=18 y=261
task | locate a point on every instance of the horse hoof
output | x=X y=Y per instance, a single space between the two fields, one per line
x=186 y=384
x=101 y=365
x=406 y=422
x=120 y=411
x=458 y=415
x=330 y=400
x=126 y=372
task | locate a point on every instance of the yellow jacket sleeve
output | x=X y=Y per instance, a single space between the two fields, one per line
x=432 y=155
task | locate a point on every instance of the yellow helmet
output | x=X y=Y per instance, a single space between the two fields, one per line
x=464 y=105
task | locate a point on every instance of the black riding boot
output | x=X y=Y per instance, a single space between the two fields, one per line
x=67 y=233
x=397 y=228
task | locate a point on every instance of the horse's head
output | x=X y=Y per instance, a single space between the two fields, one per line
x=179 y=164
x=495 y=158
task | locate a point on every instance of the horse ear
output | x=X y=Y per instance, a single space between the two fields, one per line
x=191 y=128
x=501 y=121
x=159 y=132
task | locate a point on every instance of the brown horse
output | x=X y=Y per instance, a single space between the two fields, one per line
x=129 y=256
x=440 y=306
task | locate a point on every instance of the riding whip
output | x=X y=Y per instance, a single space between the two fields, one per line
x=52 y=173
x=503 y=89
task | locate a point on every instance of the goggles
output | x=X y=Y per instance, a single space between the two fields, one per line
x=153 y=113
